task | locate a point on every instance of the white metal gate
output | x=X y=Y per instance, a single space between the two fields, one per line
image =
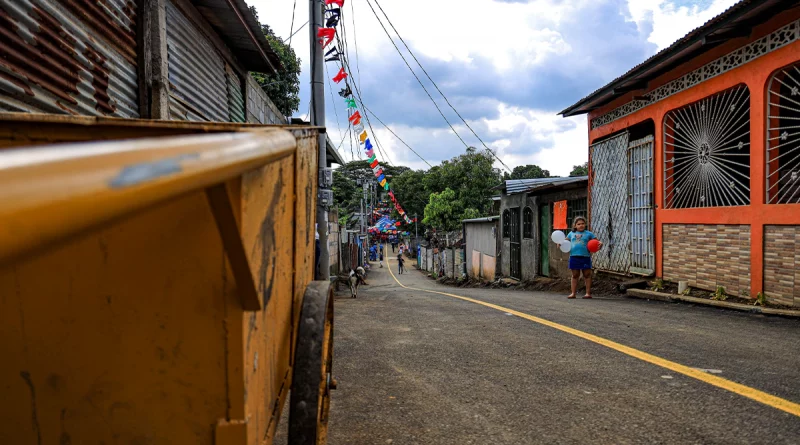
x=609 y=207
x=640 y=159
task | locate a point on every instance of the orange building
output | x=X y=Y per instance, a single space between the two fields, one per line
x=694 y=157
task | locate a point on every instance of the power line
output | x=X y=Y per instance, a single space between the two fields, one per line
x=346 y=65
x=398 y=137
x=291 y=29
x=415 y=75
x=355 y=40
x=333 y=103
x=298 y=30
x=432 y=81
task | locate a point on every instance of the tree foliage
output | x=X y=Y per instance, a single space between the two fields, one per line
x=282 y=88
x=444 y=211
x=529 y=171
x=580 y=170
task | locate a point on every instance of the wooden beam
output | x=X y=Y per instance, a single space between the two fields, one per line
x=223 y=209
x=713 y=39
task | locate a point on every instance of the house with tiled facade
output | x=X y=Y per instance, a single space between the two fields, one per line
x=694 y=157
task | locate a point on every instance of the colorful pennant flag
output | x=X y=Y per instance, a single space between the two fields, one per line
x=333 y=20
x=355 y=118
x=340 y=76
x=332 y=54
x=346 y=91
x=363 y=137
x=338 y=2
x=326 y=35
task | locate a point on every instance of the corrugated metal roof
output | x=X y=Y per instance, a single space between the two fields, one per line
x=514 y=186
x=481 y=220
x=242 y=33
x=746 y=13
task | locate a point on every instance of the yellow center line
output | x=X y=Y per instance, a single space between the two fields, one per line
x=746 y=391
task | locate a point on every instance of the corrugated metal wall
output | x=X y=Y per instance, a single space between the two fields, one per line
x=235 y=97
x=197 y=76
x=69 y=57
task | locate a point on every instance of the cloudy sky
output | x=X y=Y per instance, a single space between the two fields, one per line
x=508 y=66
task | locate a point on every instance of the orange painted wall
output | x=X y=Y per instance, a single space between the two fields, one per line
x=755 y=75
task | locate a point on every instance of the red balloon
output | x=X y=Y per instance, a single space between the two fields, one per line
x=593 y=245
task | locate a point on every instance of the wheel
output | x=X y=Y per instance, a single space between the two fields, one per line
x=312 y=381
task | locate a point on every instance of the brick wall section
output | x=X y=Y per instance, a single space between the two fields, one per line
x=708 y=256
x=782 y=264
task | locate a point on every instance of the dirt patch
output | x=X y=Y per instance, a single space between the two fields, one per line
x=601 y=284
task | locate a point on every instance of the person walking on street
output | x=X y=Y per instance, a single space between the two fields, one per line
x=580 y=260
x=400 y=263
x=380 y=256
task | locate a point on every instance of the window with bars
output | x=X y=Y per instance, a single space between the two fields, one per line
x=527 y=223
x=506 y=224
x=707 y=152
x=783 y=136
x=575 y=208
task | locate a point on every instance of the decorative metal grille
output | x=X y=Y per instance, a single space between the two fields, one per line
x=527 y=223
x=783 y=136
x=707 y=152
x=575 y=208
x=640 y=159
x=506 y=224
x=610 y=215
x=734 y=59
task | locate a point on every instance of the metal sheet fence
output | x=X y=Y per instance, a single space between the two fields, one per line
x=197 y=77
x=609 y=205
x=69 y=57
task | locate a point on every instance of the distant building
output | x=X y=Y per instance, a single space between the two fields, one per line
x=526 y=222
x=694 y=157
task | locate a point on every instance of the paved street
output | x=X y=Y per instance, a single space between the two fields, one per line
x=422 y=368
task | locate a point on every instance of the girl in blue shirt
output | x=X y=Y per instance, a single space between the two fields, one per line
x=580 y=261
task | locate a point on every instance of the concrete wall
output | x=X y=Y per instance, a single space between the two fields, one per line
x=481 y=237
x=531 y=251
x=260 y=109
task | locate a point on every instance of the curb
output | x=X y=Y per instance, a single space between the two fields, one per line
x=651 y=295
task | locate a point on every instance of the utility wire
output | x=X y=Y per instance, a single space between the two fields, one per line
x=346 y=65
x=415 y=75
x=355 y=40
x=298 y=30
x=432 y=81
x=333 y=104
x=395 y=135
x=291 y=29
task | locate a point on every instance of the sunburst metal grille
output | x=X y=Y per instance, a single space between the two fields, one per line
x=707 y=152
x=783 y=137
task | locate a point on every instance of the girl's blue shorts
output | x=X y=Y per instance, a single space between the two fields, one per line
x=580 y=262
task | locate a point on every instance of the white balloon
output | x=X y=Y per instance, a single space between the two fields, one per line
x=565 y=246
x=558 y=236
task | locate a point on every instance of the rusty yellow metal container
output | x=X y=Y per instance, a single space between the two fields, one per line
x=152 y=277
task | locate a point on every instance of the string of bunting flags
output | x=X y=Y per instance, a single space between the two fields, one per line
x=326 y=36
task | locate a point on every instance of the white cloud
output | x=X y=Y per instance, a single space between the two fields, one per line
x=517 y=38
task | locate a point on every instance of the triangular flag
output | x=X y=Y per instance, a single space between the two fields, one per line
x=325 y=36
x=332 y=54
x=333 y=20
x=338 y=2
x=340 y=76
x=346 y=91
x=363 y=137
x=355 y=118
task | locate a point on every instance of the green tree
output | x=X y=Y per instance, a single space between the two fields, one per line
x=471 y=176
x=409 y=189
x=529 y=171
x=282 y=88
x=444 y=210
x=580 y=170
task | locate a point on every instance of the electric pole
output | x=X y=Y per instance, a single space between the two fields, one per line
x=315 y=17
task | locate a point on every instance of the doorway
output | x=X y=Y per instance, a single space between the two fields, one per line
x=544 y=240
x=516 y=244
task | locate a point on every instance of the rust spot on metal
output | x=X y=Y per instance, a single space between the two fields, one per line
x=99 y=15
x=100 y=77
